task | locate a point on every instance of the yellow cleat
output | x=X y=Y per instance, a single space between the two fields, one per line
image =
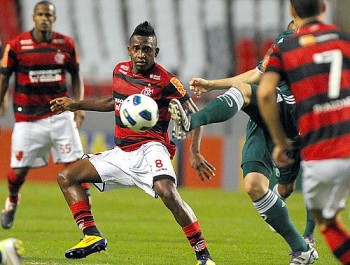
x=88 y=245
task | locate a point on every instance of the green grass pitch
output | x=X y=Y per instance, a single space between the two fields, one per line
x=140 y=230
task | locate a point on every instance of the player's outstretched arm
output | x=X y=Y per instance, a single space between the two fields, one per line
x=64 y=103
x=204 y=169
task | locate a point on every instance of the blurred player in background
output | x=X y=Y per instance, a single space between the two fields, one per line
x=40 y=59
x=11 y=249
x=316 y=64
x=141 y=159
x=257 y=162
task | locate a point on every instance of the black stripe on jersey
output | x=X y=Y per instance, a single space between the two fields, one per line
x=40 y=90
x=161 y=126
x=135 y=81
x=32 y=110
x=26 y=68
x=306 y=106
x=119 y=95
x=41 y=50
x=309 y=70
x=327 y=132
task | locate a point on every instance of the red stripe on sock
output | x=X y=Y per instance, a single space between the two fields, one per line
x=79 y=207
x=191 y=229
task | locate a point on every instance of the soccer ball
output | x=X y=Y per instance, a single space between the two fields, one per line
x=139 y=112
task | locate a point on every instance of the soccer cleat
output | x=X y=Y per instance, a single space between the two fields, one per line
x=180 y=118
x=204 y=260
x=310 y=240
x=8 y=213
x=88 y=245
x=304 y=257
x=11 y=251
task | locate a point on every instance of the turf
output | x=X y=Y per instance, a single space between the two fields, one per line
x=140 y=230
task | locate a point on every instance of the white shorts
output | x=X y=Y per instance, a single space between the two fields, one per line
x=326 y=185
x=119 y=169
x=33 y=141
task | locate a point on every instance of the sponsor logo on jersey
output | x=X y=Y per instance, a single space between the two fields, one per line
x=124 y=67
x=155 y=77
x=121 y=71
x=26 y=42
x=27 y=47
x=38 y=76
x=58 y=41
x=147 y=91
x=59 y=58
x=177 y=83
x=19 y=155
x=117 y=103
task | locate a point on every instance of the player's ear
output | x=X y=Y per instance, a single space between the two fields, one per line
x=129 y=51
x=157 y=51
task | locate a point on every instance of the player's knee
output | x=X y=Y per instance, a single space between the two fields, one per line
x=285 y=190
x=63 y=178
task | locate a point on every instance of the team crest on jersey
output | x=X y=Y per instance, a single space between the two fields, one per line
x=147 y=91
x=19 y=155
x=59 y=58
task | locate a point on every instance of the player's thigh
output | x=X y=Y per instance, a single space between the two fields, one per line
x=80 y=171
x=66 y=143
x=288 y=174
x=30 y=146
x=326 y=185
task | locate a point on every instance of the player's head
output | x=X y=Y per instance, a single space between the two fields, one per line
x=44 y=16
x=307 y=8
x=143 y=47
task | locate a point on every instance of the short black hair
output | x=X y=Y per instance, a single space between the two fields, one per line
x=48 y=3
x=144 y=29
x=307 y=8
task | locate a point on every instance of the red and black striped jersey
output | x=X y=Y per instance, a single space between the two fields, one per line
x=40 y=72
x=157 y=83
x=315 y=62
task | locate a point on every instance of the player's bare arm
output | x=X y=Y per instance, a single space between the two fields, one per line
x=4 y=83
x=204 y=169
x=78 y=92
x=268 y=107
x=64 y=103
x=200 y=85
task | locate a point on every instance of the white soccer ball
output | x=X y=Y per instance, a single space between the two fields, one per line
x=139 y=112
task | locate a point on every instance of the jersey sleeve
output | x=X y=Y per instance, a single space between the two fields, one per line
x=73 y=65
x=9 y=61
x=273 y=60
x=175 y=89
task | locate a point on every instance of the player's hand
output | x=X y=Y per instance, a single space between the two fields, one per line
x=280 y=153
x=204 y=169
x=62 y=104
x=79 y=117
x=199 y=86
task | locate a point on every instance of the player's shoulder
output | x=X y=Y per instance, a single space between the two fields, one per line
x=62 y=39
x=123 y=67
x=283 y=36
x=158 y=71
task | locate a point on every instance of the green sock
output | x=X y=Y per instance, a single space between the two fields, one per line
x=274 y=211
x=223 y=108
x=310 y=224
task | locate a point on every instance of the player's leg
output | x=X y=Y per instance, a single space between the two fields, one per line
x=221 y=109
x=285 y=186
x=70 y=180
x=184 y=216
x=11 y=251
x=66 y=143
x=257 y=168
x=28 y=149
x=325 y=189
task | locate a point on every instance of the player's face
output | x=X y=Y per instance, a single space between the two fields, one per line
x=44 y=16
x=142 y=51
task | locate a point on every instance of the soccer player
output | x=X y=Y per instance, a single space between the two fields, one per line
x=139 y=159
x=40 y=59
x=11 y=251
x=315 y=62
x=257 y=163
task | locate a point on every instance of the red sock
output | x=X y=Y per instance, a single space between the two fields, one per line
x=195 y=237
x=83 y=217
x=338 y=240
x=14 y=184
